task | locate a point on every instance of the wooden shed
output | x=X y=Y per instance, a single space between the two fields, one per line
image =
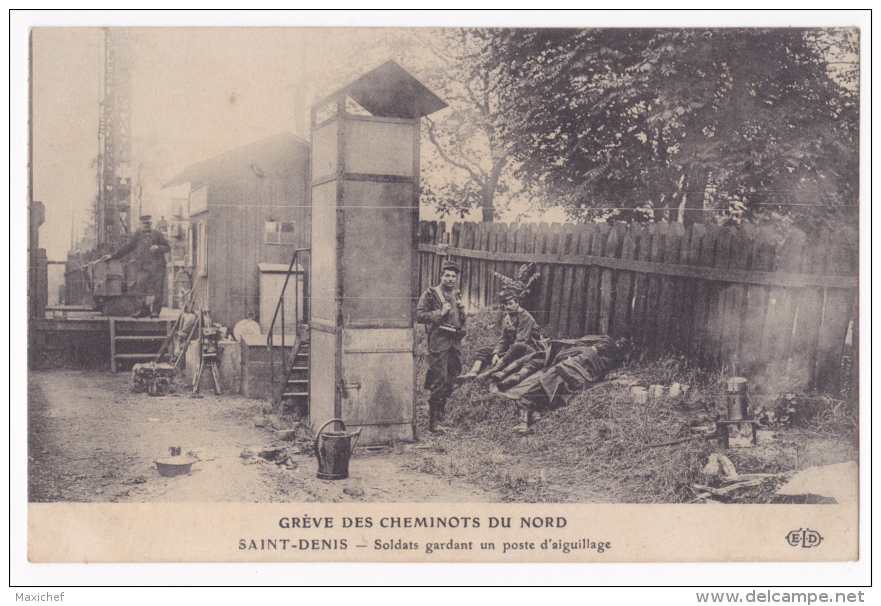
x=247 y=207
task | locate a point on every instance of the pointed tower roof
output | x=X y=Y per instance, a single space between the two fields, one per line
x=390 y=91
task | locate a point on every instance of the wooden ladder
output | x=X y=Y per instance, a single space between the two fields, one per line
x=137 y=339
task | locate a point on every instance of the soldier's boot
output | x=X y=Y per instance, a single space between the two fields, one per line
x=512 y=380
x=436 y=418
x=508 y=383
x=525 y=417
x=154 y=305
x=471 y=374
x=435 y=423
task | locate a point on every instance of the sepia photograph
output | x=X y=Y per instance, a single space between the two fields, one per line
x=455 y=292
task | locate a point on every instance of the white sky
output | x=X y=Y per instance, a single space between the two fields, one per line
x=196 y=93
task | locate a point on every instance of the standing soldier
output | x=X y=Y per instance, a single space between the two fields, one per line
x=147 y=247
x=440 y=308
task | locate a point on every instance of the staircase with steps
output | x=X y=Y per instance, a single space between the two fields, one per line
x=288 y=379
x=286 y=382
x=295 y=391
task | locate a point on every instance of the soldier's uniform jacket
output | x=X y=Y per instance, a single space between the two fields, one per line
x=147 y=267
x=443 y=332
x=518 y=327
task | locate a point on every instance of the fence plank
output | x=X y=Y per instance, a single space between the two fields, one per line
x=581 y=246
x=506 y=244
x=705 y=292
x=498 y=244
x=558 y=246
x=639 y=328
x=777 y=336
x=432 y=258
x=809 y=317
x=836 y=317
x=457 y=233
x=424 y=268
x=441 y=236
x=671 y=306
x=758 y=297
x=689 y=256
x=509 y=267
x=612 y=249
x=623 y=287
x=719 y=298
x=853 y=394
x=567 y=297
x=526 y=244
x=653 y=294
x=513 y=269
x=468 y=242
x=734 y=298
x=489 y=279
x=664 y=304
x=455 y=241
x=562 y=294
x=592 y=303
x=541 y=243
x=480 y=269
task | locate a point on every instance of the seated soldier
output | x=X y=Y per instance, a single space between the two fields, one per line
x=520 y=337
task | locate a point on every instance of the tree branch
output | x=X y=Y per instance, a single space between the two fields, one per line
x=477 y=176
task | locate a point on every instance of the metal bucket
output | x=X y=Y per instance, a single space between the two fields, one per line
x=333 y=450
x=736 y=399
x=173 y=466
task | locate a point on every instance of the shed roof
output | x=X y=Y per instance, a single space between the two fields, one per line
x=390 y=91
x=246 y=154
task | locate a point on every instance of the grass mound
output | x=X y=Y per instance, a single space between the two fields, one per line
x=601 y=447
x=604 y=446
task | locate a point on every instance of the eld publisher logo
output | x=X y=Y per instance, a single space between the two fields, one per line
x=803 y=538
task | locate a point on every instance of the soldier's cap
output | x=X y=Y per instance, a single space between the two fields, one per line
x=507 y=295
x=450 y=266
x=146 y=218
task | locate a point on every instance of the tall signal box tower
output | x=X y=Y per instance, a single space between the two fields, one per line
x=365 y=213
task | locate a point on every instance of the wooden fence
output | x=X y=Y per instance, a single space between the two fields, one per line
x=735 y=296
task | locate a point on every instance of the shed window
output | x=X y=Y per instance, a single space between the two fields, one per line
x=279 y=232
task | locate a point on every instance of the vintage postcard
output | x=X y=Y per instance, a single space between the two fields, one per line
x=460 y=294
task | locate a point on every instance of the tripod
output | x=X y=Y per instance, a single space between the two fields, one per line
x=211 y=361
x=209 y=354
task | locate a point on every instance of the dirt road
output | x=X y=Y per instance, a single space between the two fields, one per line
x=90 y=439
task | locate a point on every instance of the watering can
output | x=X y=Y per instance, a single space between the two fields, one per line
x=333 y=450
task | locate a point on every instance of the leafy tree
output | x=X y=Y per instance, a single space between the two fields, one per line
x=667 y=123
x=464 y=163
x=467 y=164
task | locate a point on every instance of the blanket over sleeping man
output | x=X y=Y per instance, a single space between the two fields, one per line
x=549 y=378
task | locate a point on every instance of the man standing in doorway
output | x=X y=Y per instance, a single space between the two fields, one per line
x=147 y=248
x=440 y=308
